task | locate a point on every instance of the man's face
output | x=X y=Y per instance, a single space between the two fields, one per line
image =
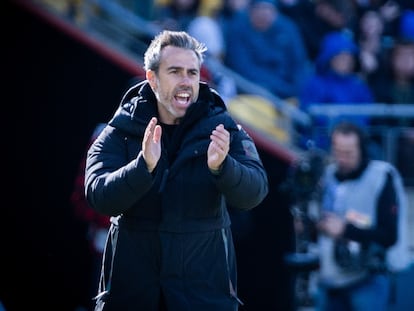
x=403 y=61
x=176 y=85
x=343 y=63
x=262 y=15
x=346 y=152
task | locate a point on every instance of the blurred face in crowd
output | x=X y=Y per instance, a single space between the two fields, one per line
x=176 y=83
x=343 y=63
x=403 y=61
x=371 y=24
x=346 y=152
x=262 y=15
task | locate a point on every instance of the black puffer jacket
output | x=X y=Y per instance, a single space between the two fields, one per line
x=180 y=197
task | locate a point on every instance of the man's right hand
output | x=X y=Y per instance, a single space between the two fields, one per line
x=151 y=144
x=332 y=225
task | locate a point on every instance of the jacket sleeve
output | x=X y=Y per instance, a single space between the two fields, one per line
x=243 y=179
x=112 y=183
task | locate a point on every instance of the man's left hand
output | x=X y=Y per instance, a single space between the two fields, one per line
x=218 y=147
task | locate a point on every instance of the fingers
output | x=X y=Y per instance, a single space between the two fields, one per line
x=157 y=134
x=218 y=147
x=152 y=132
x=220 y=138
x=150 y=128
x=151 y=144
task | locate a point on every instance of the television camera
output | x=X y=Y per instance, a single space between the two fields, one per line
x=303 y=188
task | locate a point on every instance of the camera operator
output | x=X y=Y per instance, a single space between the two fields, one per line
x=361 y=202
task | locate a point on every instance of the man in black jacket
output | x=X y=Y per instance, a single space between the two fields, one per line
x=166 y=168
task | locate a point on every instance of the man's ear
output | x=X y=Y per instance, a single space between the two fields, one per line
x=150 y=75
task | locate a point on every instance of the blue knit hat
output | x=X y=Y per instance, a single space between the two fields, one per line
x=407 y=25
x=333 y=44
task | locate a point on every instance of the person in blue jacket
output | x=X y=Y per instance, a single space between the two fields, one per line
x=167 y=167
x=335 y=81
x=267 y=48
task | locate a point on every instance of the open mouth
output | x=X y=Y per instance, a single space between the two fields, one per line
x=182 y=98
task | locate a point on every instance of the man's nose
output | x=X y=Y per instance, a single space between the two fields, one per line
x=185 y=80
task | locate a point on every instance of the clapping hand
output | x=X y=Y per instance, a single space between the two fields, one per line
x=218 y=147
x=151 y=144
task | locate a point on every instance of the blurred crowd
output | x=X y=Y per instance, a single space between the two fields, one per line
x=302 y=51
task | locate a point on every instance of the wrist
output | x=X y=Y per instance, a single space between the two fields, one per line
x=215 y=171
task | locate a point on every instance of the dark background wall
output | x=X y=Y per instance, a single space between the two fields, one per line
x=55 y=90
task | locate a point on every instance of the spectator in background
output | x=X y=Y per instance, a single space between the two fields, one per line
x=389 y=10
x=97 y=224
x=266 y=48
x=206 y=29
x=335 y=81
x=397 y=85
x=231 y=10
x=362 y=226
x=317 y=18
x=373 y=47
x=400 y=88
x=310 y=26
x=176 y=14
x=406 y=26
x=336 y=14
